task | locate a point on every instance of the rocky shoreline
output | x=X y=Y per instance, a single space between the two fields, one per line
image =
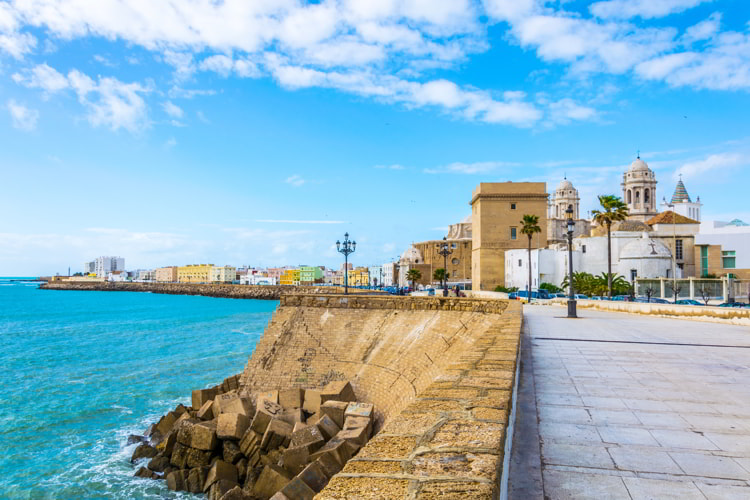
x=264 y=292
x=278 y=445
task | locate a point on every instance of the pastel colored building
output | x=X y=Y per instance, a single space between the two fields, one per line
x=290 y=277
x=194 y=273
x=359 y=277
x=166 y=274
x=310 y=274
x=223 y=274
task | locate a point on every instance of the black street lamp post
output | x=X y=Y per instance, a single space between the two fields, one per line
x=571 y=295
x=347 y=247
x=445 y=252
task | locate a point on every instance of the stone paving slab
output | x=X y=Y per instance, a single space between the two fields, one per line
x=633 y=407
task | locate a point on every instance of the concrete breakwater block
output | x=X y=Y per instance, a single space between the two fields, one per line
x=257 y=446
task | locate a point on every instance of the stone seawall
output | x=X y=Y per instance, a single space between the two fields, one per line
x=209 y=290
x=440 y=371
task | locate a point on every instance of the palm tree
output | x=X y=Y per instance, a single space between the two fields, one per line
x=438 y=275
x=530 y=226
x=614 y=209
x=413 y=275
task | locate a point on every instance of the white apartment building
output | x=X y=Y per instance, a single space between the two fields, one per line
x=145 y=275
x=105 y=265
x=376 y=275
x=258 y=279
x=223 y=274
x=389 y=270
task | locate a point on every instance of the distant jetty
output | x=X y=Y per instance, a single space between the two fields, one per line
x=263 y=292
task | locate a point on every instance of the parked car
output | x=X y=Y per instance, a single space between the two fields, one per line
x=689 y=302
x=513 y=296
x=656 y=300
x=535 y=294
x=580 y=296
x=622 y=298
x=733 y=304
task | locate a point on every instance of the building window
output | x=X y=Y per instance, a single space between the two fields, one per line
x=512 y=206
x=455 y=262
x=646 y=197
x=453 y=245
x=704 y=262
x=678 y=249
x=583 y=248
x=520 y=263
x=513 y=233
x=633 y=275
x=728 y=259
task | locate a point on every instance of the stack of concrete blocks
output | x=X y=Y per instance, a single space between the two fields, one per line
x=284 y=445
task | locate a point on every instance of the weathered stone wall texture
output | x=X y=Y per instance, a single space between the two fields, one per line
x=439 y=371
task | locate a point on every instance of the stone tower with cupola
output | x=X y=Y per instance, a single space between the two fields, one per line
x=565 y=196
x=639 y=191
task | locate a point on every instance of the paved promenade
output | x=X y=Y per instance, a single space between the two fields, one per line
x=620 y=406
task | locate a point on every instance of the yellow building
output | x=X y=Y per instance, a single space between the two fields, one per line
x=290 y=277
x=359 y=276
x=194 y=273
x=496 y=212
x=166 y=274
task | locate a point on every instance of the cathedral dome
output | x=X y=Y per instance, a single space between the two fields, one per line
x=645 y=248
x=639 y=166
x=411 y=256
x=565 y=185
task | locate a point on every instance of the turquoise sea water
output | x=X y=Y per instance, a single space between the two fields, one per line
x=83 y=370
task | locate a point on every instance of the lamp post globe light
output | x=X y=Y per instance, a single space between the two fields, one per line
x=571 y=295
x=445 y=252
x=347 y=247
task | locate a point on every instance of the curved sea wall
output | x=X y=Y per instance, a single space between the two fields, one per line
x=266 y=292
x=441 y=373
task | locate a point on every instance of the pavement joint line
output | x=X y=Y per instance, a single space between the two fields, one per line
x=678 y=344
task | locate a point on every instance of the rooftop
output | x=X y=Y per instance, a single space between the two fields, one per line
x=670 y=217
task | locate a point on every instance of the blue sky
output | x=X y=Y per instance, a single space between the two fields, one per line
x=259 y=132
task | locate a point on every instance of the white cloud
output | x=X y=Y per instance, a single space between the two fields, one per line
x=704 y=30
x=42 y=77
x=566 y=110
x=295 y=180
x=381 y=50
x=224 y=65
x=173 y=110
x=23 y=117
x=646 y=9
x=394 y=166
x=170 y=143
x=104 y=61
x=109 y=101
x=710 y=165
x=484 y=167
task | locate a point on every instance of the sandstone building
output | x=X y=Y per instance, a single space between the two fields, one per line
x=639 y=190
x=166 y=274
x=564 y=197
x=496 y=213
